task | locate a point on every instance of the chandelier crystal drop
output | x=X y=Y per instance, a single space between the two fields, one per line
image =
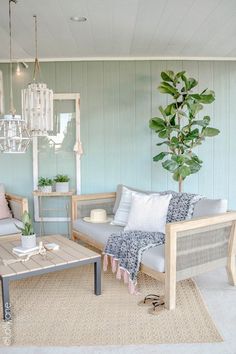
x=37 y=101
x=14 y=135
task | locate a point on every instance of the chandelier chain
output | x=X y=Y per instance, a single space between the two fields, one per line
x=36 y=63
x=12 y=108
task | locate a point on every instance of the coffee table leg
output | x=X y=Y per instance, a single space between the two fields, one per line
x=97 y=277
x=6 y=299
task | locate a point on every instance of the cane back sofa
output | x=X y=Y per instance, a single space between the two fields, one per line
x=17 y=205
x=191 y=247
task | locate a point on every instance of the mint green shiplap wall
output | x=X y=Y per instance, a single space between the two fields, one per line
x=117 y=100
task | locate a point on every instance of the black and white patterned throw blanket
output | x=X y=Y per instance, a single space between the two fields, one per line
x=125 y=249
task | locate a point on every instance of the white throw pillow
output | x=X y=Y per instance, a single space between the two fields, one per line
x=148 y=212
x=122 y=213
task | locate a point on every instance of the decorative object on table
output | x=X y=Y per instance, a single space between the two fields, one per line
x=180 y=126
x=52 y=246
x=62 y=183
x=45 y=184
x=28 y=253
x=98 y=216
x=28 y=237
x=37 y=100
x=14 y=135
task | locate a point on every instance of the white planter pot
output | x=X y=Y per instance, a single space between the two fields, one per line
x=28 y=241
x=46 y=189
x=62 y=186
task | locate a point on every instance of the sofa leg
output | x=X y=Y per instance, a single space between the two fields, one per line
x=231 y=271
x=231 y=267
x=170 y=295
x=73 y=237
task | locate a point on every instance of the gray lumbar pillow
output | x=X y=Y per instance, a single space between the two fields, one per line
x=206 y=207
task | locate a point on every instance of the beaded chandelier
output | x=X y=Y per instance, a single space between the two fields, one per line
x=37 y=101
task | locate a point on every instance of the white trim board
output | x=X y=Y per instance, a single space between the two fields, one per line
x=31 y=60
x=37 y=217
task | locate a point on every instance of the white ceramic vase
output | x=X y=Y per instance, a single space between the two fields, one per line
x=46 y=189
x=28 y=241
x=62 y=187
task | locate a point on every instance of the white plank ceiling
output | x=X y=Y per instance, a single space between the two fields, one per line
x=121 y=28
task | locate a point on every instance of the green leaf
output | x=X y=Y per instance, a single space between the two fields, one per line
x=169 y=165
x=157 y=124
x=176 y=175
x=160 y=156
x=164 y=142
x=184 y=171
x=167 y=88
x=167 y=75
x=191 y=83
x=210 y=132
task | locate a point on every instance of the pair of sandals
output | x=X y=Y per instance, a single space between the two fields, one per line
x=156 y=301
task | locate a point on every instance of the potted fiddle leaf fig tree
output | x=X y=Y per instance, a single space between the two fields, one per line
x=28 y=237
x=179 y=125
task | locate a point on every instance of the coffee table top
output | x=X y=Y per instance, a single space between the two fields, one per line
x=69 y=252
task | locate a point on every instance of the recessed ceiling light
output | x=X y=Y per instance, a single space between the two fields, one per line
x=78 y=19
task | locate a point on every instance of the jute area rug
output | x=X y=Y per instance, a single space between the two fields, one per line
x=60 y=309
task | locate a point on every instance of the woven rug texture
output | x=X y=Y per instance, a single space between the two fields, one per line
x=60 y=309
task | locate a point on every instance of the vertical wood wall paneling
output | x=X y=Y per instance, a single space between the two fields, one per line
x=221 y=121
x=95 y=145
x=190 y=184
x=159 y=175
x=232 y=133
x=114 y=115
x=112 y=165
x=127 y=123
x=206 y=153
x=142 y=156
x=79 y=85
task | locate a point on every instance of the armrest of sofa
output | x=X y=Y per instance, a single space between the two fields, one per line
x=17 y=205
x=82 y=204
x=199 y=245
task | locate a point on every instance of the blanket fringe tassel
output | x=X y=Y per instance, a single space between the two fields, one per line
x=120 y=272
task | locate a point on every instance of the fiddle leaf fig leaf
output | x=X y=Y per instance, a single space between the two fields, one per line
x=160 y=156
x=210 y=132
x=169 y=165
x=168 y=75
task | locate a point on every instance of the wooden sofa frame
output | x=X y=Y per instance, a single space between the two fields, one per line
x=17 y=205
x=174 y=232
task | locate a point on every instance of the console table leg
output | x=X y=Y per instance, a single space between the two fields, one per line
x=6 y=299
x=97 y=277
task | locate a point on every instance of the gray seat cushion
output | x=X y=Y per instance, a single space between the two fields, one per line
x=153 y=258
x=97 y=232
x=7 y=226
x=207 y=207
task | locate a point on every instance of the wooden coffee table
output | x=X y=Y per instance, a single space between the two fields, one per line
x=70 y=255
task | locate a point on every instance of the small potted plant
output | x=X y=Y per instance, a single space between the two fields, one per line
x=62 y=183
x=28 y=237
x=45 y=184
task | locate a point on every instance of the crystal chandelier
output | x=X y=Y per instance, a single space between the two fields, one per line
x=37 y=101
x=14 y=136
